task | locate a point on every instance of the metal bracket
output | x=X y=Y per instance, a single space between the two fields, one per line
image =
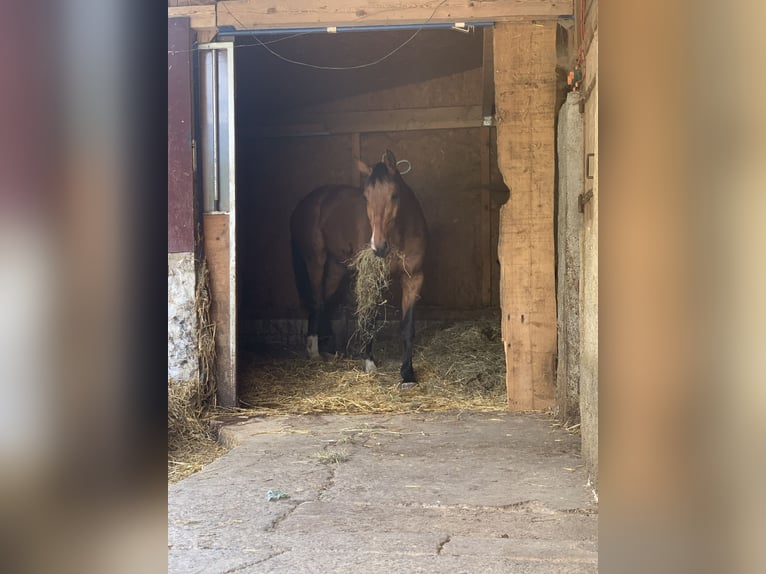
x=590 y=165
x=584 y=198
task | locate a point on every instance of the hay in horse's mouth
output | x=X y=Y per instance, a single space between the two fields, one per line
x=372 y=278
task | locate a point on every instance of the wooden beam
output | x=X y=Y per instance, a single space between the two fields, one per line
x=297 y=124
x=525 y=80
x=488 y=75
x=200 y=16
x=265 y=14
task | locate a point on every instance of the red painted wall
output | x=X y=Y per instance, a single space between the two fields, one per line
x=180 y=176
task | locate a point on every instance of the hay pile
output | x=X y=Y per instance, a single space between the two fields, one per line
x=459 y=367
x=191 y=444
x=468 y=357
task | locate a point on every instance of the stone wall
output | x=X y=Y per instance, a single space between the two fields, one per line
x=183 y=359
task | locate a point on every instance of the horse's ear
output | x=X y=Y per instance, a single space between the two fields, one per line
x=390 y=161
x=363 y=168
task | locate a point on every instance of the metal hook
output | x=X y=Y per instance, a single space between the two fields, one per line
x=409 y=166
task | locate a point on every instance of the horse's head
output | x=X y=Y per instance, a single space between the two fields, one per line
x=381 y=190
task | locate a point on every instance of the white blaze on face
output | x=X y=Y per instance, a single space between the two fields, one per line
x=372 y=239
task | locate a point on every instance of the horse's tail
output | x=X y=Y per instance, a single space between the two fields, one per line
x=301 y=274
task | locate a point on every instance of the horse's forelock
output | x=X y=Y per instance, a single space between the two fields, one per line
x=379 y=174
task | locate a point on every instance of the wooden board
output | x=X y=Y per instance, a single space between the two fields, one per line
x=201 y=17
x=253 y=14
x=525 y=82
x=180 y=182
x=215 y=228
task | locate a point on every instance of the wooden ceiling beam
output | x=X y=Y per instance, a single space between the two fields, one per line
x=265 y=14
x=201 y=17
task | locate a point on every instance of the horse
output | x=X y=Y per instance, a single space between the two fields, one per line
x=333 y=222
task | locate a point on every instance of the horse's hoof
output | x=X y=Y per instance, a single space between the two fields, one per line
x=405 y=385
x=369 y=366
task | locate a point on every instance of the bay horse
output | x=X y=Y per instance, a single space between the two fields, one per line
x=333 y=222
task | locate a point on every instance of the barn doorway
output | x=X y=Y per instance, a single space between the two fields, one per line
x=425 y=94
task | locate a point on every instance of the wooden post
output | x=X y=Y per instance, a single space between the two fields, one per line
x=525 y=84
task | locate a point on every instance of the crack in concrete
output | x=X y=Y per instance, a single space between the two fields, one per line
x=522 y=507
x=328 y=484
x=441 y=544
x=294 y=505
x=282 y=517
x=261 y=561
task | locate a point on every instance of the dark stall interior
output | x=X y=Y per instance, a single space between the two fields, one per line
x=302 y=126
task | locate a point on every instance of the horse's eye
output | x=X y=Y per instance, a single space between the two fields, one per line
x=395 y=197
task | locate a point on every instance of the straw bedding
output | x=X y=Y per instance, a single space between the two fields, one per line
x=191 y=444
x=459 y=367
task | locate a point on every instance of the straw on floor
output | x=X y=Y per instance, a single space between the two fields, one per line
x=459 y=367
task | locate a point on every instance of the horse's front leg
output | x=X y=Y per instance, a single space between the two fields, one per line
x=369 y=362
x=411 y=285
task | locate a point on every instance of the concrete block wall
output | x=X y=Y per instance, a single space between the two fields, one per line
x=570 y=163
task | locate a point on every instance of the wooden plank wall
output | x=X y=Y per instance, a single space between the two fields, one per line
x=525 y=82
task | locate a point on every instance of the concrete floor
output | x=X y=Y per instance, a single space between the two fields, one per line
x=428 y=492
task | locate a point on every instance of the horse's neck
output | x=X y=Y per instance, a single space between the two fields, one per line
x=410 y=211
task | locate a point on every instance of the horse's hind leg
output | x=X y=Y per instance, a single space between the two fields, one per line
x=315 y=266
x=333 y=277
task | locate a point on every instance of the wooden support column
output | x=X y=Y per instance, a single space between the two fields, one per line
x=525 y=84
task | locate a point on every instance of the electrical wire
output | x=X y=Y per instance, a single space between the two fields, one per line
x=318 y=67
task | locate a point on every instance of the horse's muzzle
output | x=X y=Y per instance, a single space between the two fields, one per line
x=381 y=250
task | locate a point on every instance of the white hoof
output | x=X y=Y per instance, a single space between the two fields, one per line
x=369 y=366
x=312 y=346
